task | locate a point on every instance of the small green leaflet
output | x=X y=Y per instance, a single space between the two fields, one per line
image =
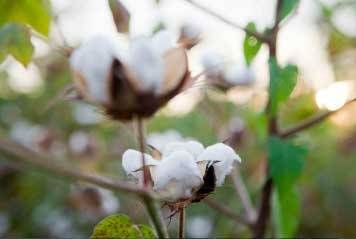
x=251 y=44
x=286 y=212
x=35 y=13
x=120 y=226
x=287 y=7
x=286 y=162
x=15 y=40
x=282 y=83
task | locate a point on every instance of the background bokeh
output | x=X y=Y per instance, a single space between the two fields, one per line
x=320 y=39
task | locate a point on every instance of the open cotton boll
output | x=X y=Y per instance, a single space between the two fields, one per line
x=146 y=63
x=239 y=75
x=92 y=60
x=193 y=147
x=177 y=176
x=226 y=157
x=132 y=161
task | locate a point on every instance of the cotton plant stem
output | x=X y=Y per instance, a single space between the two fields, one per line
x=12 y=150
x=243 y=194
x=181 y=223
x=156 y=216
x=227 y=212
x=263 y=216
x=153 y=210
x=141 y=140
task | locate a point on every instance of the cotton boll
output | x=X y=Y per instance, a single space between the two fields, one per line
x=132 y=161
x=239 y=75
x=226 y=157
x=177 y=176
x=146 y=63
x=92 y=60
x=193 y=147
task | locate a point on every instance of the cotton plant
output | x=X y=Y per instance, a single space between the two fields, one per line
x=130 y=78
x=183 y=172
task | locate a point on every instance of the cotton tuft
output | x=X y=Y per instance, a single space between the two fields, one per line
x=225 y=156
x=85 y=60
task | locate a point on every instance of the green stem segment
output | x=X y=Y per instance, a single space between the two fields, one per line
x=156 y=217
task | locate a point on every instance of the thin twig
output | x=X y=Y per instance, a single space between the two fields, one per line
x=181 y=223
x=141 y=140
x=23 y=154
x=227 y=212
x=311 y=121
x=243 y=193
x=12 y=150
x=257 y=35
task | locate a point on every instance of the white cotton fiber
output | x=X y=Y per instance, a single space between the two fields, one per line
x=93 y=60
x=193 y=147
x=132 y=161
x=146 y=63
x=163 y=41
x=177 y=176
x=226 y=157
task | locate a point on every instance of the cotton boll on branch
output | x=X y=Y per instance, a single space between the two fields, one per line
x=177 y=176
x=130 y=81
x=225 y=156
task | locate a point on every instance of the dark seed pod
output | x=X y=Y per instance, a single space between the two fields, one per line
x=208 y=186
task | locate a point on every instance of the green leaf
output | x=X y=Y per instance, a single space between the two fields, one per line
x=35 y=13
x=251 y=45
x=115 y=226
x=121 y=226
x=286 y=212
x=286 y=162
x=282 y=83
x=287 y=7
x=15 y=40
x=146 y=231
